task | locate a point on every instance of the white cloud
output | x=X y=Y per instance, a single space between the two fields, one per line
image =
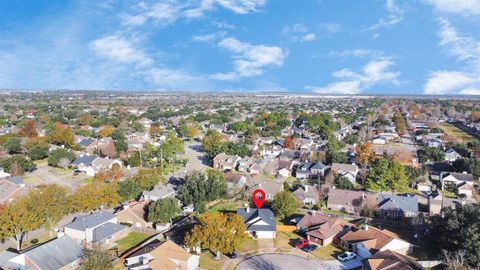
x=209 y=37
x=373 y=73
x=395 y=16
x=466 y=50
x=357 y=53
x=119 y=49
x=331 y=27
x=298 y=32
x=169 y=11
x=462 y=7
x=250 y=60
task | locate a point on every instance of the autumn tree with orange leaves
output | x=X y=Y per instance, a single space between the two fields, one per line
x=365 y=154
x=29 y=129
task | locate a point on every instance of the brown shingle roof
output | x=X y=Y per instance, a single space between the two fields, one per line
x=166 y=253
x=373 y=239
x=391 y=260
x=321 y=226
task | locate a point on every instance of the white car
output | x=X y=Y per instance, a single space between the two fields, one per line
x=346 y=256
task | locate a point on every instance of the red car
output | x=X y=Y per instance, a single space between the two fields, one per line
x=301 y=243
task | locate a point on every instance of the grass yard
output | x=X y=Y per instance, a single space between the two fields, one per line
x=455 y=134
x=285 y=239
x=88 y=180
x=228 y=207
x=327 y=253
x=250 y=245
x=60 y=171
x=207 y=261
x=31 y=180
x=131 y=240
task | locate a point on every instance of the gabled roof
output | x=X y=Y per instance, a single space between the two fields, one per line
x=344 y=167
x=90 y=221
x=321 y=226
x=85 y=142
x=55 y=254
x=345 y=197
x=373 y=239
x=251 y=217
x=169 y=256
x=388 y=259
x=395 y=202
x=458 y=176
x=303 y=193
x=270 y=187
x=86 y=160
x=17 y=180
x=104 y=231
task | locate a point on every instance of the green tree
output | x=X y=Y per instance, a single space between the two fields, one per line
x=38 y=152
x=97 y=258
x=17 y=165
x=218 y=232
x=234 y=148
x=200 y=187
x=129 y=190
x=399 y=182
x=343 y=183
x=212 y=143
x=55 y=156
x=134 y=160
x=379 y=175
x=163 y=210
x=284 y=204
x=459 y=229
x=430 y=154
x=13 y=145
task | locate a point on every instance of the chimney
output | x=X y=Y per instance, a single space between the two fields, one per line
x=464 y=172
x=306 y=188
x=248 y=209
x=366 y=227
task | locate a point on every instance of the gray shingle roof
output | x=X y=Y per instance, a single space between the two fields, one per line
x=264 y=214
x=87 y=160
x=17 y=180
x=90 y=221
x=56 y=253
x=394 y=202
x=106 y=230
x=85 y=142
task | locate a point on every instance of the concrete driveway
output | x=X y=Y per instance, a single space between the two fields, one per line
x=279 y=261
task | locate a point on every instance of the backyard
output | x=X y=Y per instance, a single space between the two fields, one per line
x=131 y=240
x=455 y=134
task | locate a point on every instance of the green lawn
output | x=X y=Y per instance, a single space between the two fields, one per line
x=131 y=240
x=88 y=180
x=455 y=134
x=31 y=180
x=229 y=207
x=283 y=240
x=60 y=171
x=207 y=261
x=326 y=253
x=250 y=245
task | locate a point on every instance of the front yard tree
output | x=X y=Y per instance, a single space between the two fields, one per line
x=218 y=232
x=94 y=196
x=106 y=131
x=97 y=259
x=29 y=129
x=62 y=135
x=284 y=204
x=155 y=130
x=38 y=152
x=365 y=154
x=129 y=190
x=51 y=203
x=212 y=143
x=13 y=145
x=163 y=210
x=60 y=154
x=17 y=165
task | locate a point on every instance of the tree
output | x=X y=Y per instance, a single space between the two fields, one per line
x=192 y=130
x=13 y=145
x=51 y=204
x=29 y=129
x=134 y=160
x=379 y=175
x=38 y=152
x=289 y=143
x=365 y=154
x=458 y=229
x=236 y=149
x=399 y=181
x=430 y=154
x=284 y=204
x=155 y=130
x=97 y=258
x=62 y=135
x=58 y=154
x=147 y=178
x=343 y=183
x=95 y=196
x=17 y=165
x=106 y=131
x=212 y=143
x=163 y=210
x=129 y=190
x=218 y=232
x=111 y=175
x=202 y=186
x=85 y=119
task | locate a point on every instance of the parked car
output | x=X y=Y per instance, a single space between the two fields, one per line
x=309 y=248
x=76 y=172
x=346 y=256
x=232 y=255
x=301 y=243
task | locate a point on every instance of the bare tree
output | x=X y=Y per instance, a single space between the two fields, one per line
x=455 y=260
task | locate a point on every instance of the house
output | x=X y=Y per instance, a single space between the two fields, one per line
x=349 y=201
x=162 y=256
x=160 y=191
x=271 y=188
x=97 y=228
x=387 y=260
x=225 y=163
x=272 y=151
x=91 y=164
x=394 y=206
x=349 y=171
x=235 y=182
x=455 y=179
x=465 y=189
x=321 y=229
x=310 y=170
x=11 y=188
x=367 y=241
x=248 y=165
x=86 y=143
x=260 y=222
x=451 y=155
x=435 y=143
x=134 y=214
x=284 y=168
x=435 y=203
x=307 y=194
x=61 y=253
x=380 y=140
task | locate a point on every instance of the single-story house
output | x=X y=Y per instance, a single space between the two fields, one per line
x=91 y=164
x=349 y=201
x=135 y=214
x=387 y=260
x=307 y=194
x=394 y=206
x=321 y=229
x=224 y=162
x=160 y=191
x=455 y=179
x=349 y=171
x=271 y=188
x=260 y=222
x=451 y=155
x=97 y=228
x=11 y=188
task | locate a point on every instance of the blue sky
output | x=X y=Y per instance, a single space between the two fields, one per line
x=334 y=46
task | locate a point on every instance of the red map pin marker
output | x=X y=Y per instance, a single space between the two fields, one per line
x=258 y=201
